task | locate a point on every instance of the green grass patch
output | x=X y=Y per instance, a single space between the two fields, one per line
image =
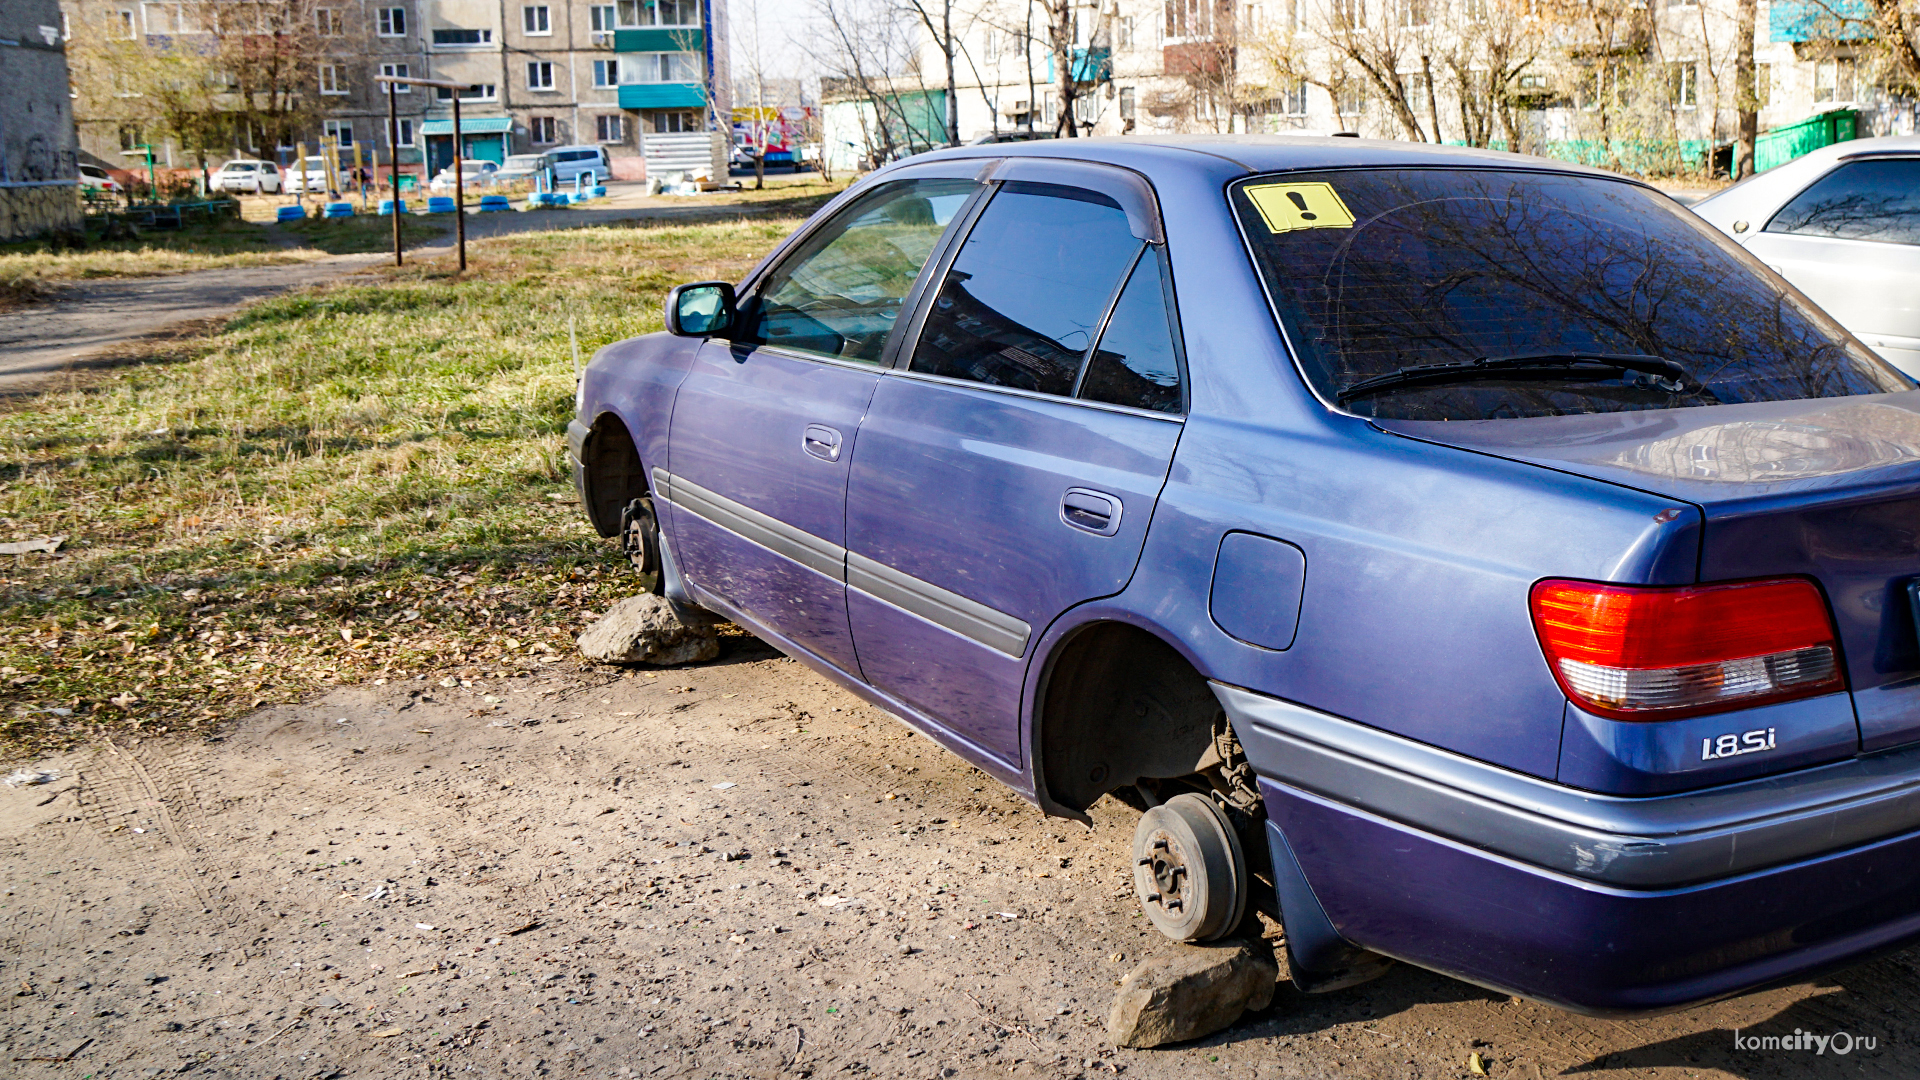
x=362 y=480
x=364 y=233
x=28 y=269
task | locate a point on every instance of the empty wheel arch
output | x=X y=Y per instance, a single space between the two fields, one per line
x=1123 y=712
x=614 y=475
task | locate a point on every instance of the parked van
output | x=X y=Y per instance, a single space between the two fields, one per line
x=571 y=161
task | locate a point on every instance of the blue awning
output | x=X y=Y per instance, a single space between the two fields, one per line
x=469 y=125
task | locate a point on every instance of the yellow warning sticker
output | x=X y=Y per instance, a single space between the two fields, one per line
x=1286 y=207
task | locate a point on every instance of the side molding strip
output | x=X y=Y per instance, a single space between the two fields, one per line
x=970 y=619
x=769 y=532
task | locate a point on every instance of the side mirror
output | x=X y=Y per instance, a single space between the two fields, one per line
x=700 y=309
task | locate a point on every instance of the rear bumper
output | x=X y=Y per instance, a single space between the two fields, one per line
x=1597 y=903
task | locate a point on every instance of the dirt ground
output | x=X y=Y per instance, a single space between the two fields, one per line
x=728 y=870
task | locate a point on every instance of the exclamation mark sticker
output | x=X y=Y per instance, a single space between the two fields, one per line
x=1286 y=207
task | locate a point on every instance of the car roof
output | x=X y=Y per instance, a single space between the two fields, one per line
x=1251 y=154
x=1758 y=197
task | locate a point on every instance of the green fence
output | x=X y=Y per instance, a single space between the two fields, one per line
x=1783 y=144
x=1663 y=157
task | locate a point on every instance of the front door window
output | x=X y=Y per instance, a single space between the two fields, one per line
x=840 y=294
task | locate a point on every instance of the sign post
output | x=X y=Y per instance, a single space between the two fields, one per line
x=459 y=190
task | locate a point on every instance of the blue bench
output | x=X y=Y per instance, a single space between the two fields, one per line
x=339 y=209
x=388 y=206
x=290 y=213
x=490 y=203
x=440 y=204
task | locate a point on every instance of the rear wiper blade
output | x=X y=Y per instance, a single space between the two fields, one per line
x=1667 y=375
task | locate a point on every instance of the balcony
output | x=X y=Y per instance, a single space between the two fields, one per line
x=660 y=39
x=1089 y=65
x=663 y=96
x=1819 y=20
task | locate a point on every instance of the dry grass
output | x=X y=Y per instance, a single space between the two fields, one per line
x=359 y=481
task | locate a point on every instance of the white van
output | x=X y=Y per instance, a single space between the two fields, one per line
x=571 y=161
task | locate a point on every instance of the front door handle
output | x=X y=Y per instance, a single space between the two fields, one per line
x=1091 y=511
x=822 y=442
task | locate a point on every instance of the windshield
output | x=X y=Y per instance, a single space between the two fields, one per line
x=1373 y=272
x=531 y=161
x=239 y=166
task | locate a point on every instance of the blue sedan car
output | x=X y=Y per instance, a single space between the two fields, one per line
x=1477 y=561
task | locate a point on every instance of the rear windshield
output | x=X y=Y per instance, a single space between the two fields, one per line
x=1375 y=272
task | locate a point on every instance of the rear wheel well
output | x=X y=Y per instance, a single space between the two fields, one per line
x=614 y=474
x=1123 y=709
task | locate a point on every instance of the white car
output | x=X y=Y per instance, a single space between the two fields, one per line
x=526 y=169
x=247 y=175
x=98 y=179
x=473 y=174
x=1843 y=225
x=308 y=174
x=570 y=161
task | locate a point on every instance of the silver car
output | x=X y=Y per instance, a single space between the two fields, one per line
x=1843 y=224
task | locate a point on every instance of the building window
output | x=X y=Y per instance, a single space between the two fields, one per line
x=462 y=37
x=131 y=138
x=476 y=92
x=123 y=25
x=539 y=75
x=390 y=22
x=341 y=131
x=1293 y=98
x=1833 y=80
x=1349 y=14
x=645 y=13
x=672 y=67
x=601 y=16
x=1413 y=13
x=1351 y=100
x=332 y=23
x=606 y=73
x=1683 y=80
x=541 y=130
x=1126 y=103
x=1189 y=18
x=1124 y=31
x=398 y=71
x=675 y=123
x=535 y=20
x=333 y=79
x=610 y=128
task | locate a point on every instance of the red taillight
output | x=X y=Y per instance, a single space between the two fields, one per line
x=1634 y=653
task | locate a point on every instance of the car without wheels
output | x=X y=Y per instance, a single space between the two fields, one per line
x=1474 y=560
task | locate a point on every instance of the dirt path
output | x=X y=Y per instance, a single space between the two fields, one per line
x=730 y=870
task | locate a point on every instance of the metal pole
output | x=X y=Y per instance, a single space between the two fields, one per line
x=393 y=162
x=459 y=188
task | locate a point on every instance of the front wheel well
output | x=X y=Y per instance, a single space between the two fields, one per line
x=614 y=475
x=1120 y=706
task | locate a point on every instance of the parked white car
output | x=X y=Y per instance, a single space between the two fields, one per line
x=97 y=178
x=473 y=174
x=247 y=175
x=571 y=161
x=1843 y=224
x=307 y=174
x=529 y=169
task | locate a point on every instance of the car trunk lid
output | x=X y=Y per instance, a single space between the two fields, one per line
x=1824 y=487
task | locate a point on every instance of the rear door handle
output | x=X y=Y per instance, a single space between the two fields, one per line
x=822 y=442
x=1091 y=511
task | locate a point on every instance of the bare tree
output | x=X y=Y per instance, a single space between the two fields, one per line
x=941 y=29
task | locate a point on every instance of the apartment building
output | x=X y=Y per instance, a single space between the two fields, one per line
x=1660 y=93
x=647 y=79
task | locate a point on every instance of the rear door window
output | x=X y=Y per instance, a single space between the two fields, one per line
x=1030 y=290
x=1499 y=283
x=1861 y=200
x=840 y=292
